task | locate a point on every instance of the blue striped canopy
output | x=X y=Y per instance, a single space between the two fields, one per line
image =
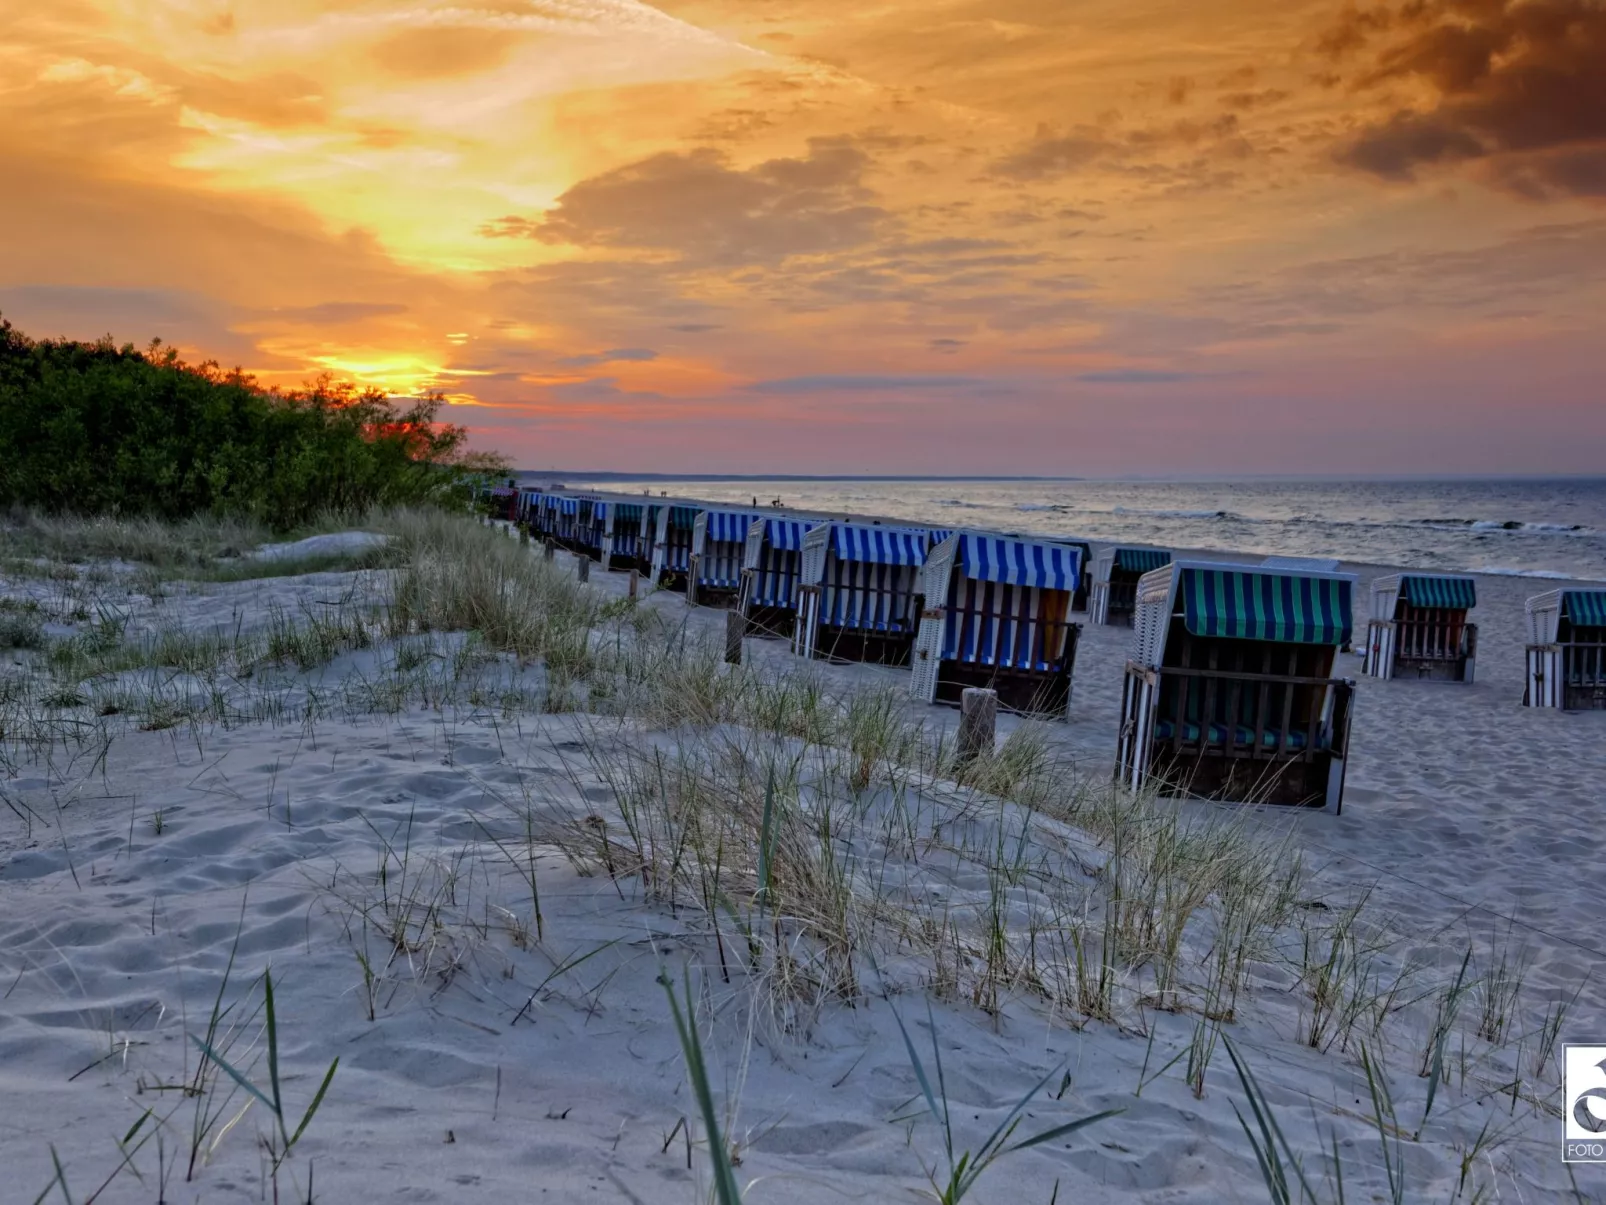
x=1288 y=608
x=1454 y=593
x=1586 y=608
x=1141 y=560
x=786 y=535
x=730 y=526
x=599 y=511
x=938 y=535
x=880 y=545
x=568 y=506
x=1018 y=563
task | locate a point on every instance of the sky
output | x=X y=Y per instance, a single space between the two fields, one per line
x=1079 y=237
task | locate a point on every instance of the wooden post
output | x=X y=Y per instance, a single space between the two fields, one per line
x=549 y=549
x=635 y=583
x=582 y=568
x=978 y=722
x=735 y=629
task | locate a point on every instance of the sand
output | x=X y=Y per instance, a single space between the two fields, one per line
x=497 y=1072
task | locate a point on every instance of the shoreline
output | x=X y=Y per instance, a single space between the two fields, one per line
x=1364 y=568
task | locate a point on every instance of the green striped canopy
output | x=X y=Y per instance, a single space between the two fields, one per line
x=1141 y=560
x=684 y=516
x=1586 y=608
x=1453 y=593
x=1288 y=608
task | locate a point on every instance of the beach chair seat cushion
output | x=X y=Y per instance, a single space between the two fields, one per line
x=1165 y=730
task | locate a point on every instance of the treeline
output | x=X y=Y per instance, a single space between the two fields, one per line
x=94 y=428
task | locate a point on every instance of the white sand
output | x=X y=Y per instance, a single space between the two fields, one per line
x=1465 y=815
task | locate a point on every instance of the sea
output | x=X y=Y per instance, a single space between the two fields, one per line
x=1548 y=528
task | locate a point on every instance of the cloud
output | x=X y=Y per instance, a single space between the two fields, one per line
x=1406 y=141
x=695 y=203
x=1048 y=156
x=858 y=384
x=334 y=313
x=695 y=328
x=443 y=51
x=633 y=354
x=176 y=316
x=1518 y=84
x=1136 y=376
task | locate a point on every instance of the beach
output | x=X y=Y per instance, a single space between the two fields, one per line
x=460 y=892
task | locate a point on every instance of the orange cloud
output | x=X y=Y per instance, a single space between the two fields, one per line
x=793 y=235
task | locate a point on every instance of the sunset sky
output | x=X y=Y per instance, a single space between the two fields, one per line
x=1081 y=237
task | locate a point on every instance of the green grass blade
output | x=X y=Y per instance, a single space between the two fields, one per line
x=692 y=1048
x=316 y=1101
x=135 y=1128
x=273 y=1047
x=1069 y=1127
x=228 y=1069
x=765 y=839
x=919 y=1068
x=61 y=1174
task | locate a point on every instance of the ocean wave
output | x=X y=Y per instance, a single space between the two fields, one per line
x=1182 y=514
x=1516 y=525
x=1035 y=506
x=960 y=502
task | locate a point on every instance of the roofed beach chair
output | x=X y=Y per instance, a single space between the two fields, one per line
x=671 y=548
x=591 y=528
x=1115 y=581
x=1419 y=628
x=718 y=544
x=1084 y=579
x=771 y=561
x=528 y=498
x=566 y=524
x=504 y=502
x=1230 y=693
x=544 y=516
x=1567 y=650
x=622 y=541
x=997 y=615
x=856 y=592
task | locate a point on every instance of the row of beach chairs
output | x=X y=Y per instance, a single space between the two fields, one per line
x=1231 y=689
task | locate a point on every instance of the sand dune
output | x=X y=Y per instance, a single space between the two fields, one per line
x=501 y=1064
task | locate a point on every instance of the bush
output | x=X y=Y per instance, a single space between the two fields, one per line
x=93 y=428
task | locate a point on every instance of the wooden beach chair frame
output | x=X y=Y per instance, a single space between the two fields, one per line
x=997 y=615
x=719 y=547
x=1116 y=571
x=772 y=561
x=1230 y=693
x=622 y=538
x=672 y=543
x=858 y=593
x=1566 y=652
x=1419 y=628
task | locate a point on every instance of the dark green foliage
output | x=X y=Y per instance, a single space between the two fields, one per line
x=93 y=428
